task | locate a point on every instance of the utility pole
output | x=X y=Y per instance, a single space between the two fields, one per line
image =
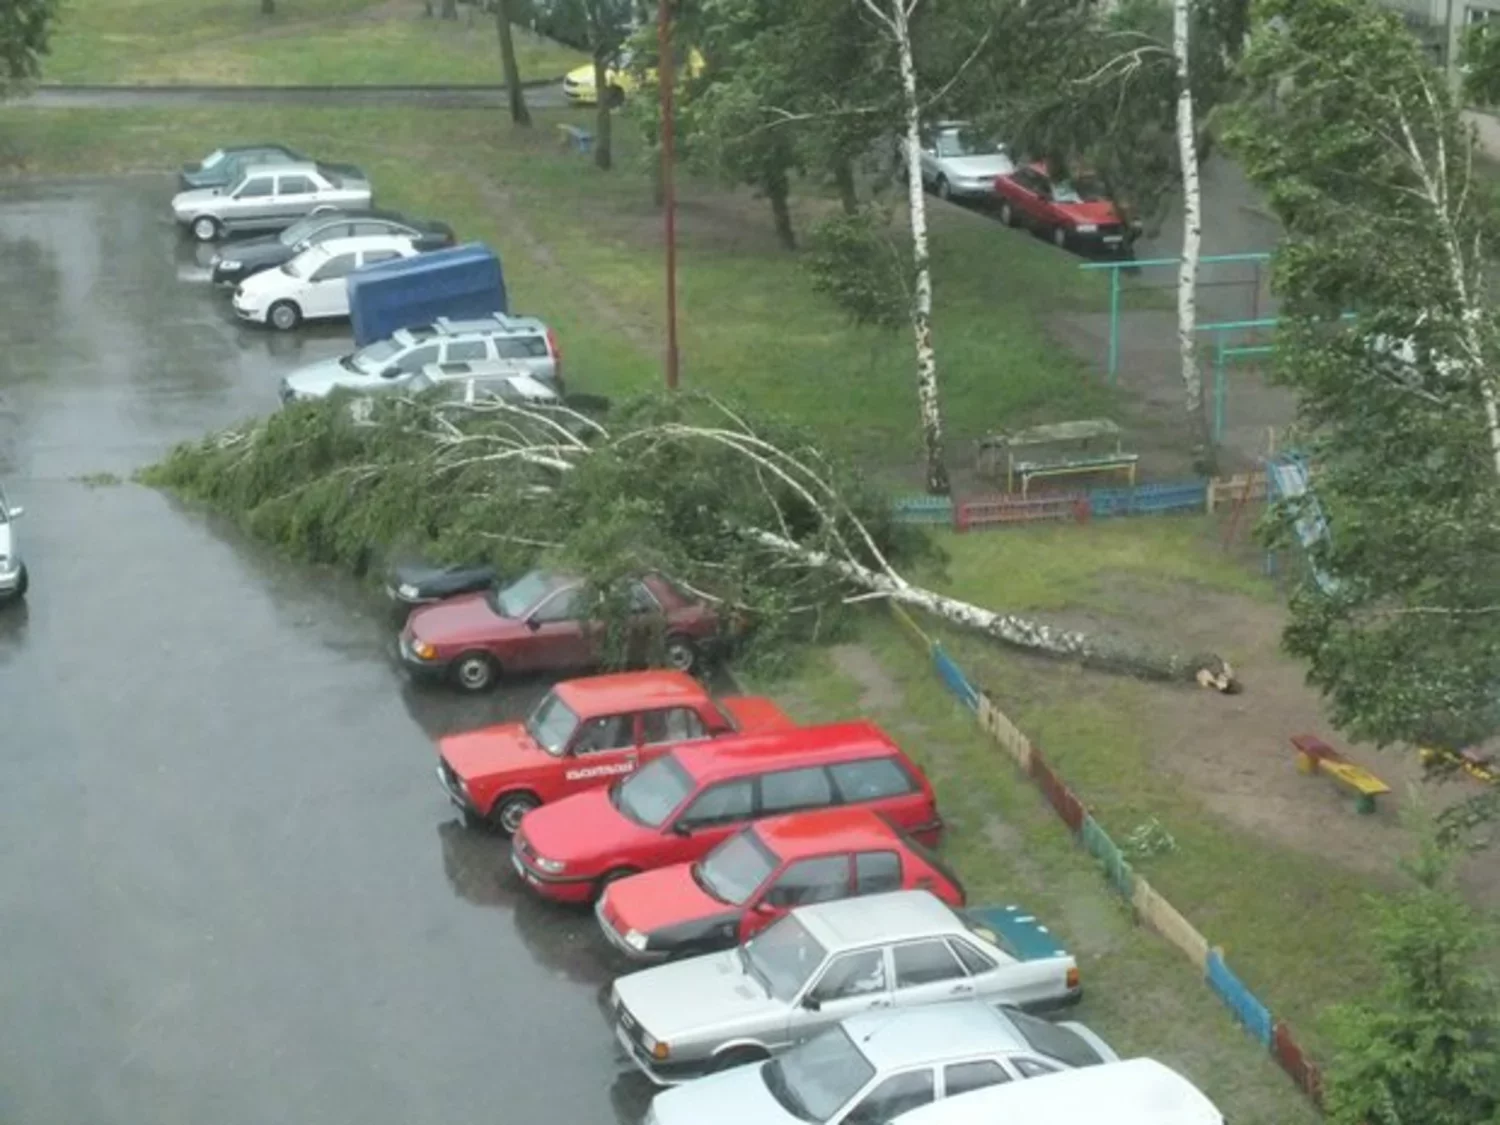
x=665 y=83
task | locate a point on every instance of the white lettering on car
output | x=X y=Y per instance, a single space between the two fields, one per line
x=598 y=771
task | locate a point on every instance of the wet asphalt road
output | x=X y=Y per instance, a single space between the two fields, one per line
x=231 y=890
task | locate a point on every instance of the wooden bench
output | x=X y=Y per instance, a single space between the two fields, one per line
x=576 y=138
x=1314 y=756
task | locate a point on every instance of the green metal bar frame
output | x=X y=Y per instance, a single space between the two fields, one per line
x=1221 y=355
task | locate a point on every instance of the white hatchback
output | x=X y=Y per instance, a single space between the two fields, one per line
x=314 y=284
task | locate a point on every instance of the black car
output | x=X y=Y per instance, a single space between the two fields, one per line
x=222 y=166
x=238 y=261
x=418 y=584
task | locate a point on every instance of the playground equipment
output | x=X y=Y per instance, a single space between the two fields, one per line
x=1286 y=479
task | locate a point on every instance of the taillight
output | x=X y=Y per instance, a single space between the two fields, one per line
x=1073 y=977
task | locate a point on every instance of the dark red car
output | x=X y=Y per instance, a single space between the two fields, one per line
x=543 y=622
x=1073 y=213
x=584 y=734
x=683 y=804
x=757 y=875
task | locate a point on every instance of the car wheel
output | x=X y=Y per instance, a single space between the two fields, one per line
x=509 y=809
x=1008 y=215
x=943 y=190
x=474 y=672
x=738 y=1056
x=20 y=591
x=616 y=97
x=284 y=316
x=680 y=653
x=1060 y=237
x=205 y=228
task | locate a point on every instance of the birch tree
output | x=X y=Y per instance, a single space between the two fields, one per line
x=1192 y=224
x=1389 y=339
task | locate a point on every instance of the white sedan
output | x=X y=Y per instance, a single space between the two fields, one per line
x=314 y=284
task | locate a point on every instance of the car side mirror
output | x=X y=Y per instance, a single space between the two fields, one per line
x=533 y=624
x=812 y=1003
x=682 y=828
x=17 y=512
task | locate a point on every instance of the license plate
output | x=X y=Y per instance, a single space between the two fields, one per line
x=1113 y=238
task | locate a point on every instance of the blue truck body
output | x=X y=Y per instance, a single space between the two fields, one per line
x=462 y=282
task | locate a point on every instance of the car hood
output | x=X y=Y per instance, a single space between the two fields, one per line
x=263 y=252
x=581 y=75
x=662 y=899
x=980 y=167
x=580 y=828
x=185 y=200
x=698 y=995
x=502 y=749
x=1101 y=211
x=732 y=1097
x=269 y=281
x=459 y=620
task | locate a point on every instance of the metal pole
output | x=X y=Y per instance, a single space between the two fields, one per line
x=669 y=190
x=1219 y=360
x=1114 y=323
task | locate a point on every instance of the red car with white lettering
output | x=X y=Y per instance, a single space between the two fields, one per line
x=757 y=875
x=1075 y=214
x=586 y=733
x=678 y=808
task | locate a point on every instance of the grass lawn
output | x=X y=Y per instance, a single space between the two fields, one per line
x=308 y=42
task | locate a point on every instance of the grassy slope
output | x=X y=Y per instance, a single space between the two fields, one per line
x=580 y=248
x=308 y=42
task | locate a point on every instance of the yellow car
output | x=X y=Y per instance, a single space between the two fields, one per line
x=578 y=85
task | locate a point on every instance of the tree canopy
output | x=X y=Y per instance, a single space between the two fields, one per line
x=25 y=26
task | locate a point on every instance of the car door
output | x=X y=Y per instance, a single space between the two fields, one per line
x=558 y=635
x=707 y=819
x=876 y=873
x=817 y=879
x=893 y=1096
x=252 y=203
x=326 y=292
x=294 y=195
x=928 y=157
x=927 y=972
x=851 y=983
x=667 y=727
x=602 y=749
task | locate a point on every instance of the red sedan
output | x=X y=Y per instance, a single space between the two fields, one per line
x=584 y=734
x=756 y=876
x=1073 y=213
x=544 y=622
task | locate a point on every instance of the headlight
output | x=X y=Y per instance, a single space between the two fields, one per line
x=423 y=649
x=406 y=590
x=655 y=1047
x=636 y=940
x=1088 y=228
x=551 y=866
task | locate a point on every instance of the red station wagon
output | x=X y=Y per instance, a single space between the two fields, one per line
x=680 y=806
x=584 y=734
x=757 y=875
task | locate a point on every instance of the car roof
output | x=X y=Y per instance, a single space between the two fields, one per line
x=751 y=753
x=933 y=1033
x=1133 y=1092
x=290 y=167
x=491 y=325
x=818 y=831
x=623 y=691
x=894 y=916
x=334 y=246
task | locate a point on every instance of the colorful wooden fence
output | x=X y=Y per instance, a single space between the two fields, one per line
x=1150 y=907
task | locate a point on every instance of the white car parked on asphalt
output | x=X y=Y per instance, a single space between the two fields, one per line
x=13 y=578
x=314 y=284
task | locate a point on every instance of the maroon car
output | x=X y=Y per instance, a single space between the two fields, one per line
x=543 y=622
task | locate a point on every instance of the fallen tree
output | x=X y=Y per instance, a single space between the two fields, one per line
x=753 y=516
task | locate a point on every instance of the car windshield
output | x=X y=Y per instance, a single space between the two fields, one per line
x=551 y=723
x=303 y=265
x=1054 y=1040
x=1077 y=191
x=818 y=1078
x=522 y=594
x=212 y=159
x=648 y=797
x=783 y=956
x=733 y=870
x=373 y=357
x=966 y=142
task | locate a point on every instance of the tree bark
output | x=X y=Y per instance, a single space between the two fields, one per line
x=1192 y=239
x=928 y=403
x=603 y=146
x=519 y=113
x=778 y=191
x=449 y=10
x=843 y=179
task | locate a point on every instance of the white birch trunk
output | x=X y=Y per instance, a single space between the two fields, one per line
x=928 y=404
x=1192 y=231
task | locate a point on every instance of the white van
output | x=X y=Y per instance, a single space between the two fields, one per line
x=1134 y=1092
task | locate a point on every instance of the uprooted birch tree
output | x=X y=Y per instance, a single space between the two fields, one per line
x=1389 y=339
x=750 y=515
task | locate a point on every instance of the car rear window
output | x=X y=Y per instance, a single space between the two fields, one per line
x=1054 y=1040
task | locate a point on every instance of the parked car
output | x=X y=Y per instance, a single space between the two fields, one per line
x=223 y=165
x=1073 y=213
x=231 y=266
x=1132 y=1092
x=580 y=88
x=958 y=162
x=876 y=1066
x=766 y=869
x=679 y=807
x=13 y=577
x=817 y=966
x=315 y=284
x=585 y=733
x=270 y=197
x=476 y=380
x=520 y=340
x=543 y=622
x=414 y=584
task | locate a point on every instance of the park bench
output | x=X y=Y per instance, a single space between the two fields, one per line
x=1314 y=756
x=576 y=138
x=1473 y=763
x=1056 y=450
